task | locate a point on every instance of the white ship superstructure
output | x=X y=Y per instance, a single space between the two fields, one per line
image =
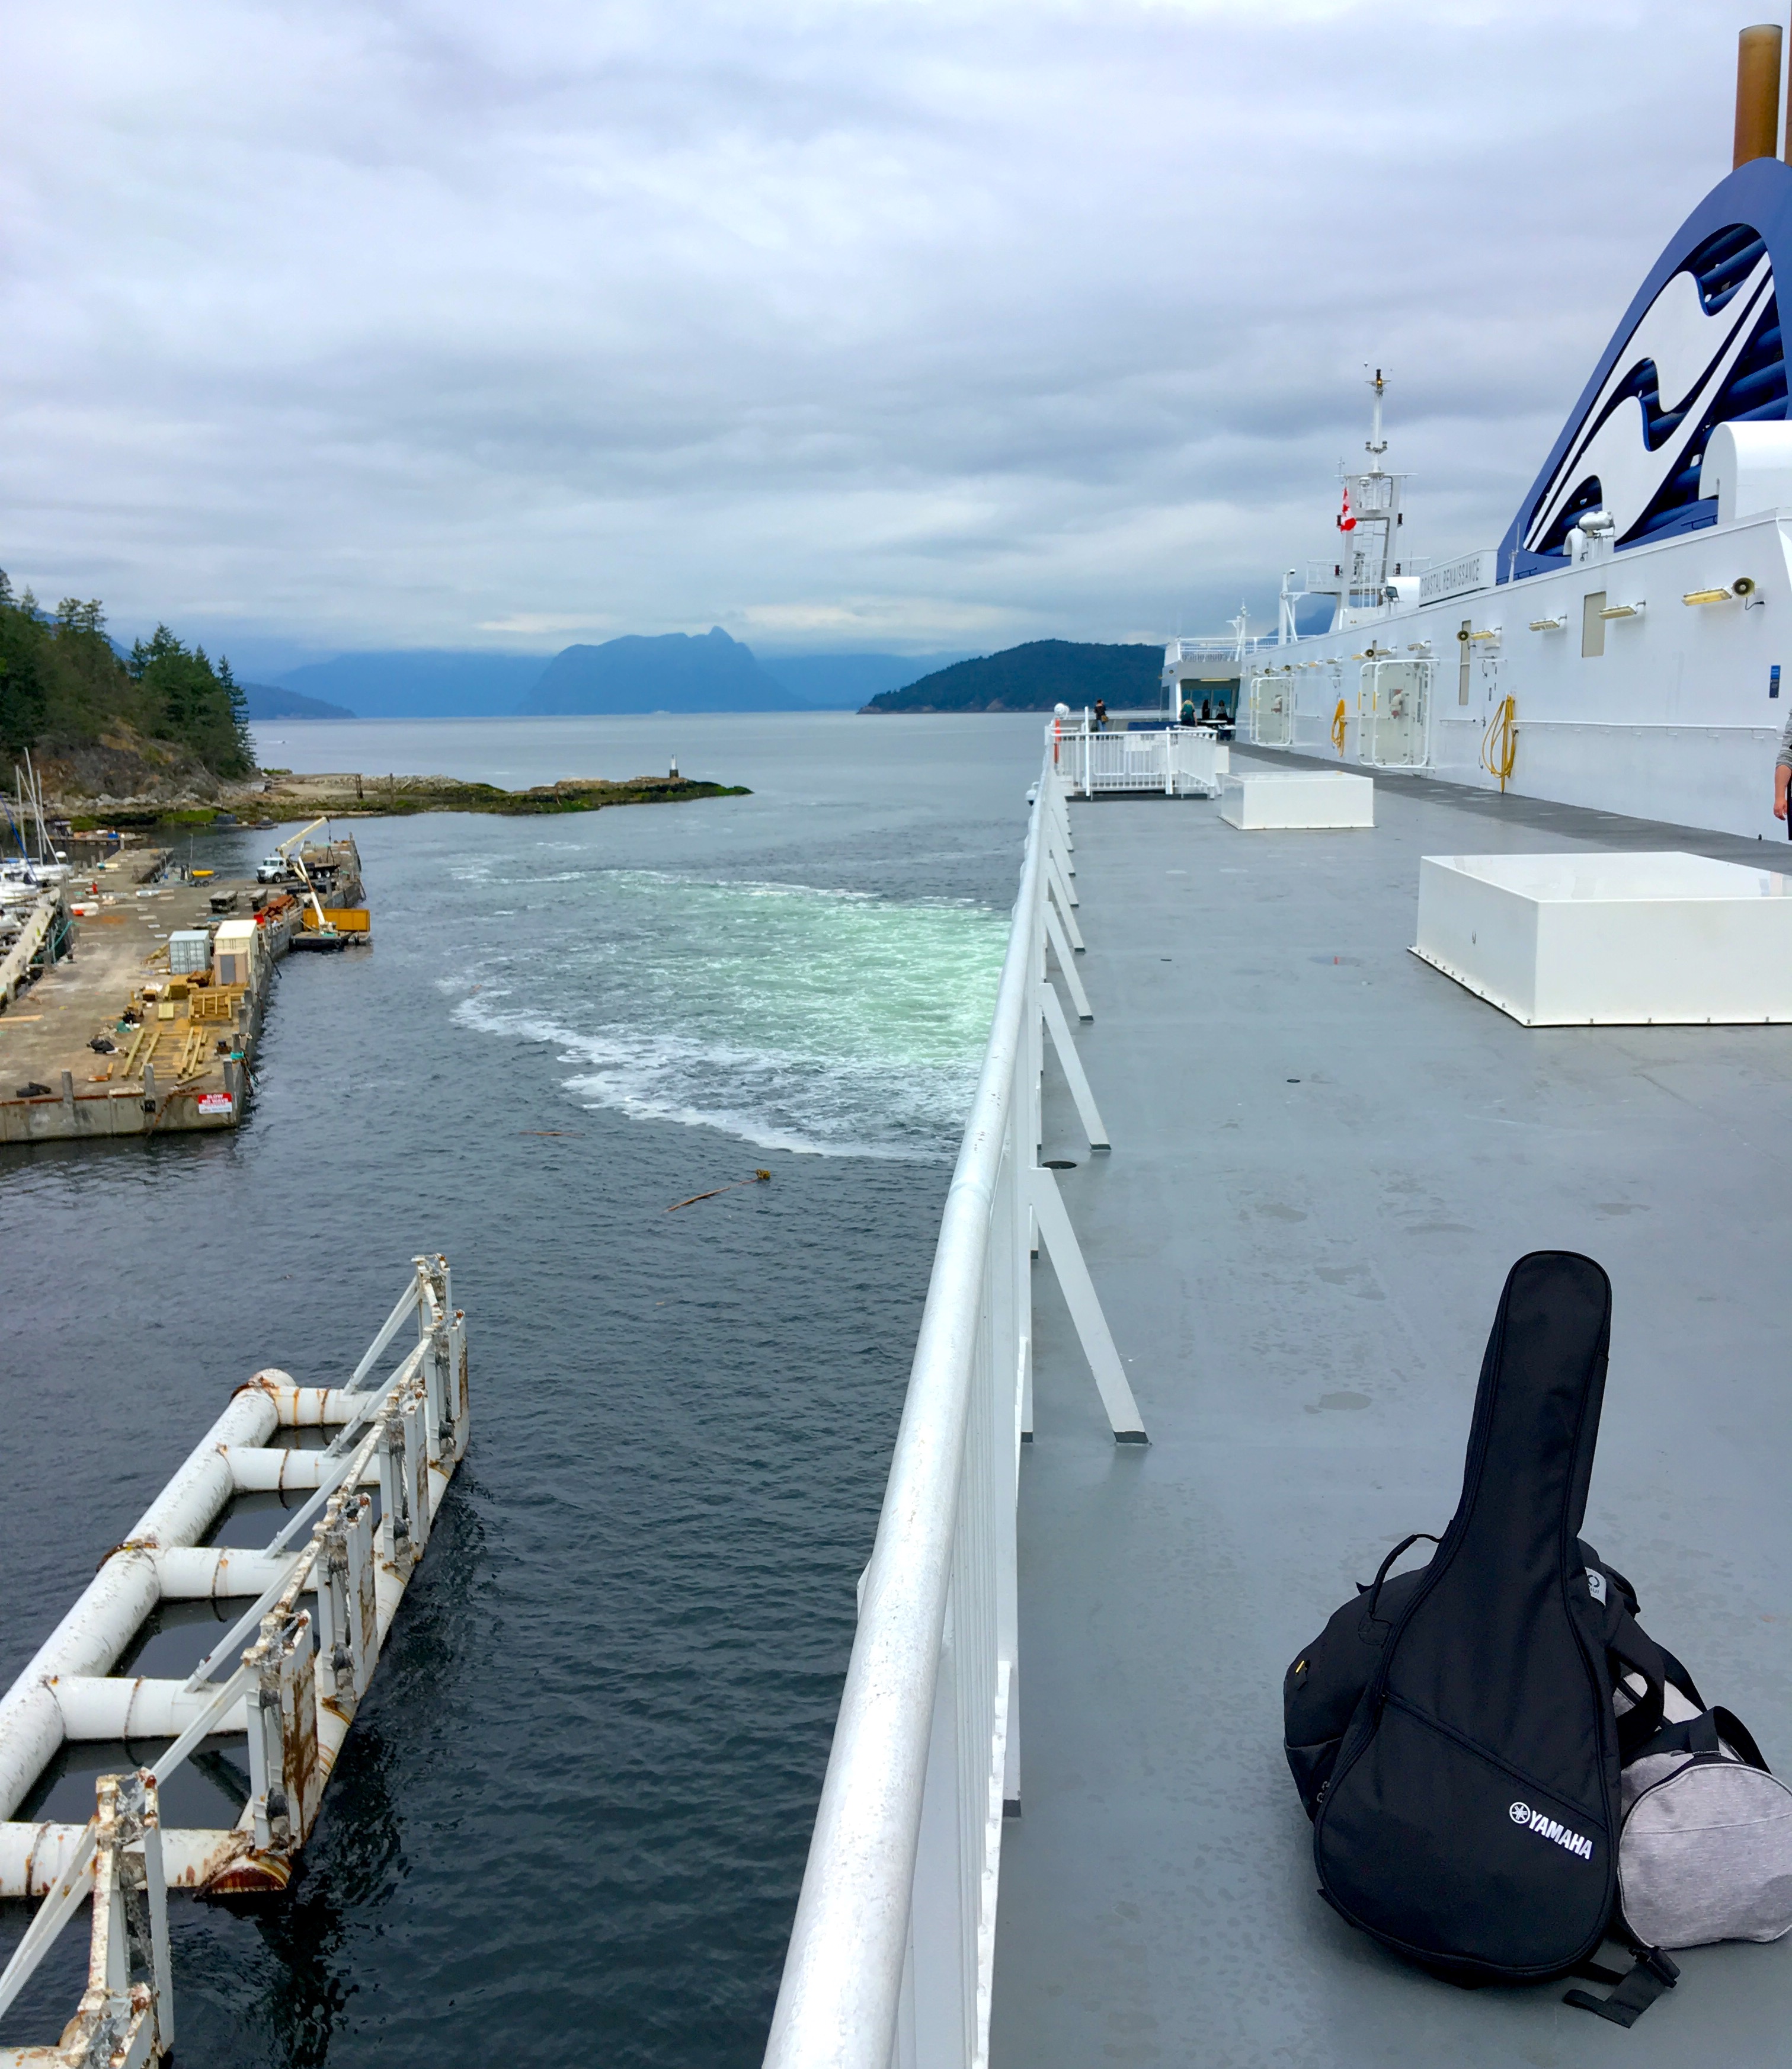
x=1622 y=647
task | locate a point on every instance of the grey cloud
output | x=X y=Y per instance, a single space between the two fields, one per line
x=355 y=325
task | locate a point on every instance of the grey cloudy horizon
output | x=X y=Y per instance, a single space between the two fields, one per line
x=843 y=327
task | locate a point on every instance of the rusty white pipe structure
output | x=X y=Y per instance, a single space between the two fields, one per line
x=294 y=1691
x=123 y=1594
x=893 y=1947
x=160 y=1557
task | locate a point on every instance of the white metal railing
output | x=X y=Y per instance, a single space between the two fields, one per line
x=295 y=1694
x=893 y=1944
x=1177 y=761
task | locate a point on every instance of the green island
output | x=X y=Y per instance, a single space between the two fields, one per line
x=161 y=735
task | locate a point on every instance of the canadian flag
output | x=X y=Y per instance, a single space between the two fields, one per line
x=1346 y=522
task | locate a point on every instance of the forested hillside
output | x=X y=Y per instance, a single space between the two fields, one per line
x=1034 y=677
x=163 y=712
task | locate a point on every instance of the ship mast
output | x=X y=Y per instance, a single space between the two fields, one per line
x=1370 y=521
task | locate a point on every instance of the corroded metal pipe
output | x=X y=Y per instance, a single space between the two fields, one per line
x=112 y=1608
x=108 y=1707
x=1757 y=93
x=32 y=1857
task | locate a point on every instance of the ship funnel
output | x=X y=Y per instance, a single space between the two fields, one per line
x=1757 y=93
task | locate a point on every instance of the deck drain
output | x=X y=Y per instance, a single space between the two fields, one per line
x=1060 y=1164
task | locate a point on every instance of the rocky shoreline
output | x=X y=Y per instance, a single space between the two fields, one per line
x=278 y=794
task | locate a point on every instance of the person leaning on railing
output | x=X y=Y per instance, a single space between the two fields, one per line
x=1782 y=775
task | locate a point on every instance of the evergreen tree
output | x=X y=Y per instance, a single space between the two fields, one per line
x=240 y=714
x=24 y=701
x=62 y=684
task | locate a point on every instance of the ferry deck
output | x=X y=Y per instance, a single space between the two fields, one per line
x=1326 y=1155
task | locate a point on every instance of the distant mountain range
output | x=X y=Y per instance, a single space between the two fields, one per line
x=419 y=682
x=673 y=672
x=677 y=671
x=1034 y=677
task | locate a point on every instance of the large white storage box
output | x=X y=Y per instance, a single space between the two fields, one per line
x=234 y=946
x=1297 y=797
x=1561 y=940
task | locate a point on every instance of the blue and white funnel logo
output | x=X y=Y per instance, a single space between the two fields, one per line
x=1698 y=346
x=1654 y=409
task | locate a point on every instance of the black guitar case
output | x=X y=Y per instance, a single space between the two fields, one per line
x=1471 y=1818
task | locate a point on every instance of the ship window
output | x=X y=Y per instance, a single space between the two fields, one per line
x=1593 y=626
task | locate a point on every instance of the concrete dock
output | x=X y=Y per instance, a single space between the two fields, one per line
x=1326 y=1157
x=109 y=1040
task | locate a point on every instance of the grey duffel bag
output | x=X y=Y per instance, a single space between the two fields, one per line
x=1705 y=1851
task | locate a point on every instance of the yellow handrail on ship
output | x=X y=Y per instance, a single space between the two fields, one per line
x=1500 y=743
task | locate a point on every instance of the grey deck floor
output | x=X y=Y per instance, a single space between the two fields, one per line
x=1303 y=1276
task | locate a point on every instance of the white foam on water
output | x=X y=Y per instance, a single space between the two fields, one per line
x=833 y=1022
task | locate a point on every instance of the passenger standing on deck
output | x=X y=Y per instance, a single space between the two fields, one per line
x=1101 y=713
x=1782 y=775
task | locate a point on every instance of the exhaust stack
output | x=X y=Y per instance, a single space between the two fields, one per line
x=1757 y=93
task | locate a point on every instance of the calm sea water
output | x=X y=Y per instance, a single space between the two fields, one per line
x=570 y=1821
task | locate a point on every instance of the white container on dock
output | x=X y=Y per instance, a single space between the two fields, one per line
x=1610 y=939
x=188 y=952
x=1276 y=798
x=234 y=947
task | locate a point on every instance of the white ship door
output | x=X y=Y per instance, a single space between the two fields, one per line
x=1271 y=709
x=1394 y=702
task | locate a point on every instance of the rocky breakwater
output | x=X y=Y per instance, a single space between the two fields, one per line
x=280 y=794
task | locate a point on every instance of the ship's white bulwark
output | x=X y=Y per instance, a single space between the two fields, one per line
x=1594 y=939
x=1626 y=698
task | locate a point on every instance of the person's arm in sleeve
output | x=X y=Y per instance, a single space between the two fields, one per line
x=1782 y=770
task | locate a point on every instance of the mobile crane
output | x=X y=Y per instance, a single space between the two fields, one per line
x=291 y=862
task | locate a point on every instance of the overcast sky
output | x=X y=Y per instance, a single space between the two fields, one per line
x=337 y=325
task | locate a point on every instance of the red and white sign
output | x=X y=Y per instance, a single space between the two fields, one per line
x=215 y=1103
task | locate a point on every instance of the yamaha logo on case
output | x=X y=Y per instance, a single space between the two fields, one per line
x=1546 y=1827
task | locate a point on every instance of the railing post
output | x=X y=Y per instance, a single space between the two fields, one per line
x=348 y=1629
x=438 y=1368
x=459 y=1395
x=1007 y=1380
x=127 y=2011
x=404 y=1483
x=284 y=1780
x=937 y=1912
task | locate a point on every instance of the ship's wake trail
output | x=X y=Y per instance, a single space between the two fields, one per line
x=832 y=1023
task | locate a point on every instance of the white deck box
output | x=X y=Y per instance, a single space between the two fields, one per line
x=1297 y=797
x=1603 y=939
x=234 y=952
